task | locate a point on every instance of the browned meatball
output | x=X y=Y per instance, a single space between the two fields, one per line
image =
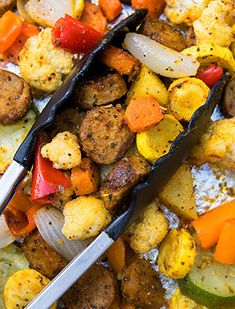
x=6 y=5
x=96 y=289
x=14 y=97
x=41 y=257
x=104 y=135
x=141 y=285
x=101 y=91
x=229 y=98
x=163 y=33
x=124 y=175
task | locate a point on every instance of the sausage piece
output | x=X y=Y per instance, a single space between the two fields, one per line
x=141 y=285
x=101 y=91
x=125 y=174
x=104 y=135
x=229 y=98
x=96 y=289
x=14 y=97
x=6 y=5
x=41 y=256
x=163 y=33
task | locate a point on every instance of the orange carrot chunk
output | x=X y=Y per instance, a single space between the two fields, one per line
x=120 y=60
x=225 y=249
x=93 y=16
x=111 y=8
x=143 y=113
x=85 y=178
x=116 y=255
x=209 y=225
x=155 y=7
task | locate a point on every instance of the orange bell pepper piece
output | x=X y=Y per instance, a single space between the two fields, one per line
x=116 y=255
x=155 y=7
x=10 y=28
x=209 y=225
x=225 y=251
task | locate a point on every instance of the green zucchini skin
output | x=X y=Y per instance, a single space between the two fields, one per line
x=210 y=283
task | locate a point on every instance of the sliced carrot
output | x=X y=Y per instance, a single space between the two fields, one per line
x=209 y=225
x=143 y=113
x=85 y=178
x=111 y=8
x=12 y=53
x=93 y=16
x=20 y=200
x=121 y=61
x=155 y=7
x=225 y=249
x=116 y=255
x=20 y=223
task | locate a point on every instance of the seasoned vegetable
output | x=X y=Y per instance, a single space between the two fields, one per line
x=111 y=8
x=179 y=194
x=186 y=95
x=216 y=145
x=121 y=61
x=84 y=217
x=155 y=7
x=151 y=230
x=211 y=75
x=22 y=287
x=179 y=301
x=224 y=252
x=63 y=151
x=85 y=177
x=210 y=283
x=148 y=83
x=141 y=285
x=209 y=225
x=12 y=259
x=177 y=254
x=93 y=16
x=143 y=113
x=156 y=142
x=229 y=98
x=116 y=255
x=208 y=53
x=11 y=137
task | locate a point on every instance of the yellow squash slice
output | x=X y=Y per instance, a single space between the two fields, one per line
x=177 y=254
x=22 y=287
x=179 y=301
x=156 y=142
x=208 y=53
x=186 y=95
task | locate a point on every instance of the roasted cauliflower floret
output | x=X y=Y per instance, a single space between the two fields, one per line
x=214 y=24
x=42 y=65
x=184 y=11
x=85 y=217
x=63 y=151
x=217 y=145
x=150 y=231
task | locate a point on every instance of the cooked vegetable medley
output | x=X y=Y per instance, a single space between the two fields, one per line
x=123 y=116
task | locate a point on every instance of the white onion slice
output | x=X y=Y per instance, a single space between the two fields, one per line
x=160 y=59
x=50 y=221
x=6 y=236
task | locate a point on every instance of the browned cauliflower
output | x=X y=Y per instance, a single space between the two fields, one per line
x=215 y=25
x=217 y=145
x=63 y=151
x=42 y=65
x=147 y=234
x=184 y=11
x=85 y=217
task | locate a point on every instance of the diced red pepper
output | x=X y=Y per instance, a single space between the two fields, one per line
x=10 y=28
x=46 y=180
x=73 y=35
x=211 y=75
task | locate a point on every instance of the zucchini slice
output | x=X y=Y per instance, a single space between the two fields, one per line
x=210 y=283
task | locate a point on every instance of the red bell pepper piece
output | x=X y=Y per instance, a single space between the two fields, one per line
x=46 y=180
x=211 y=75
x=73 y=35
